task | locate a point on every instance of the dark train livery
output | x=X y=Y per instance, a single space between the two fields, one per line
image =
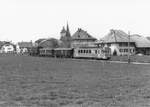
x=82 y=52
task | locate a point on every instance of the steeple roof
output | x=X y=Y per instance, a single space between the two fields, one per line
x=63 y=30
x=68 y=31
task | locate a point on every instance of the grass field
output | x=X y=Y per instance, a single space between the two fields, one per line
x=27 y=81
x=133 y=58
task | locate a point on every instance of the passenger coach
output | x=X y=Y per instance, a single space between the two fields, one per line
x=64 y=52
x=46 y=52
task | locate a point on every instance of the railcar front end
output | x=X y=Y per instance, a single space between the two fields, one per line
x=91 y=53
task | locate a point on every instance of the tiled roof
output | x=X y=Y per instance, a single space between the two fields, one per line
x=81 y=34
x=116 y=36
x=140 y=41
x=39 y=40
x=25 y=44
x=49 y=43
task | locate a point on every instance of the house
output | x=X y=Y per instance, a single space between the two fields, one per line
x=8 y=47
x=82 y=39
x=142 y=44
x=24 y=47
x=118 y=41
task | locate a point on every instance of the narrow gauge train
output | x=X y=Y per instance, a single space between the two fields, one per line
x=92 y=52
x=82 y=52
x=34 y=51
x=56 y=52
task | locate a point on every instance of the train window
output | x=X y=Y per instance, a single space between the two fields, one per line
x=79 y=51
x=125 y=50
x=89 y=51
x=100 y=51
x=95 y=51
x=83 y=51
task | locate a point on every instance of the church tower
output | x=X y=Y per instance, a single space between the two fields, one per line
x=63 y=32
x=66 y=36
x=68 y=31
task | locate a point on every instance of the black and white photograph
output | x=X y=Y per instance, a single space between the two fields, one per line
x=74 y=53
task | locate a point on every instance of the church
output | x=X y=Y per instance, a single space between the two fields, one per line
x=65 y=37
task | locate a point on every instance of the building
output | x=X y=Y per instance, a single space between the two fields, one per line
x=8 y=47
x=142 y=44
x=82 y=39
x=65 y=37
x=39 y=40
x=49 y=43
x=24 y=47
x=118 y=41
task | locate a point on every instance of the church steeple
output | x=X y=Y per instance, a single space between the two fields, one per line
x=68 y=31
x=66 y=37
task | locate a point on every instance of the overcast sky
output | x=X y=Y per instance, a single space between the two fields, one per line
x=25 y=20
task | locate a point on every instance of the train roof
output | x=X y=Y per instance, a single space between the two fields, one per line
x=91 y=47
x=63 y=48
x=47 y=48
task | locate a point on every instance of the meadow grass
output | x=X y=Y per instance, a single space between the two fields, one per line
x=27 y=81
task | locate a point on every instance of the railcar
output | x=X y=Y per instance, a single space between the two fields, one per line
x=34 y=51
x=82 y=52
x=46 y=52
x=63 y=52
x=92 y=52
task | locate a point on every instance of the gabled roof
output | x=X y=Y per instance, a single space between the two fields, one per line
x=81 y=34
x=140 y=41
x=116 y=36
x=25 y=44
x=6 y=43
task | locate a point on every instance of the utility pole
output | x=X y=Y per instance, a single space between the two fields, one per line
x=128 y=47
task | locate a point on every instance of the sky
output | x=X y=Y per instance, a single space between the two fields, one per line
x=26 y=20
